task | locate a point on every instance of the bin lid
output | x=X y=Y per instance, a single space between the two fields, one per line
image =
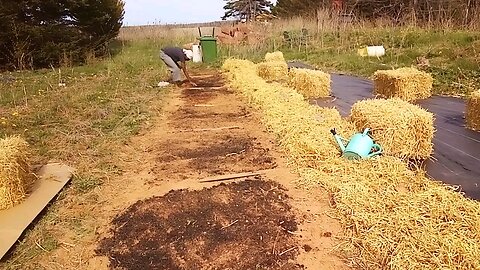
x=207 y=38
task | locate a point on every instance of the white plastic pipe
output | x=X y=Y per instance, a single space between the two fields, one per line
x=197 y=54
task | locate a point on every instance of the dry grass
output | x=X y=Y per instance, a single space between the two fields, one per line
x=405 y=83
x=403 y=130
x=394 y=218
x=310 y=83
x=473 y=111
x=157 y=32
x=15 y=174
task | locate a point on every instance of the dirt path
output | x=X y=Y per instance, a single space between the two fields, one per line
x=159 y=215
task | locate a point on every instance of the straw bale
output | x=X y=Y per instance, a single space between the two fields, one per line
x=274 y=57
x=473 y=111
x=310 y=83
x=393 y=217
x=15 y=174
x=404 y=130
x=405 y=83
x=232 y=64
x=272 y=71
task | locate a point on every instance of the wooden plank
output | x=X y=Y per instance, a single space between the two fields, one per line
x=14 y=221
x=232 y=176
x=208 y=129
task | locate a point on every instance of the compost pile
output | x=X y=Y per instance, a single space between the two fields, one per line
x=394 y=217
x=244 y=225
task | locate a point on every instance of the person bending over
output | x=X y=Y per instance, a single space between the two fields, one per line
x=175 y=58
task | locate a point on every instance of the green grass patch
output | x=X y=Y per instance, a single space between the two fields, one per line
x=83 y=124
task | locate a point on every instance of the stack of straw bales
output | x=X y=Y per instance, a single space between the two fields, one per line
x=274 y=57
x=310 y=83
x=473 y=111
x=273 y=70
x=405 y=83
x=403 y=129
x=15 y=174
x=393 y=217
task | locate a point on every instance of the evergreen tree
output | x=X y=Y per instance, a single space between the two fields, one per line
x=289 y=8
x=458 y=11
x=40 y=33
x=246 y=9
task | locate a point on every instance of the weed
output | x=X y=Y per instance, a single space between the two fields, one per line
x=82 y=124
x=84 y=184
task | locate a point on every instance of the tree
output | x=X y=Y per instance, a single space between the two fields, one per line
x=289 y=8
x=457 y=11
x=246 y=9
x=40 y=33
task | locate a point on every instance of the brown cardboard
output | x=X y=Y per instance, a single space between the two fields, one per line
x=14 y=221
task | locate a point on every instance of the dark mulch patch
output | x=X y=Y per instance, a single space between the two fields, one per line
x=242 y=225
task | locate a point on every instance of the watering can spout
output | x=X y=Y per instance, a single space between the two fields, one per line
x=338 y=139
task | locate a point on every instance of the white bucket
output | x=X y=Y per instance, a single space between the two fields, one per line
x=197 y=53
x=376 y=51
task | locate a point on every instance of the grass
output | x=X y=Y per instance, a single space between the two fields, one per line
x=83 y=124
x=453 y=55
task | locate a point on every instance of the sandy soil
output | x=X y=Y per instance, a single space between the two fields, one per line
x=159 y=214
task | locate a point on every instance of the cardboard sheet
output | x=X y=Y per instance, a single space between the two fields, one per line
x=14 y=221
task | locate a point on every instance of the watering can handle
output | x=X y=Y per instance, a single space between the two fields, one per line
x=378 y=150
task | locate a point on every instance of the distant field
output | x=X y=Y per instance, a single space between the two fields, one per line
x=452 y=55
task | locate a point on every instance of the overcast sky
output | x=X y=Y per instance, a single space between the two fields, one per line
x=140 y=12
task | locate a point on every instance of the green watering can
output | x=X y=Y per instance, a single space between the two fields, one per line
x=360 y=146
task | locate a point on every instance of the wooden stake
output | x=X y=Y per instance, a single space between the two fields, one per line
x=209 y=129
x=231 y=176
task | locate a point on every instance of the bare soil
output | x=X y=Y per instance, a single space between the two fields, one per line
x=244 y=225
x=157 y=214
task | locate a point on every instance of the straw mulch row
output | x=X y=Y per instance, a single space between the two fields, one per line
x=403 y=130
x=310 y=83
x=15 y=175
x=394 y=218
x=405 y=83
x=473 y=111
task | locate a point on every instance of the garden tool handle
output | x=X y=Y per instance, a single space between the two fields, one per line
x=378 y=151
